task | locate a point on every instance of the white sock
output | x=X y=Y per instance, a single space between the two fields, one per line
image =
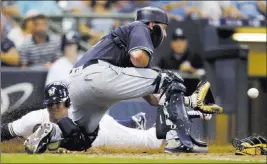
x=186 y=101
x=172 y=134
x=172 y=140
x=191 y=101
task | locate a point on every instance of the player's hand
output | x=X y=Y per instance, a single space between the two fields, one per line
x=198 y=97
x=139 y=58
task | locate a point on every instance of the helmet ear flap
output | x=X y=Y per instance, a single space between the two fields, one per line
x=156 y=35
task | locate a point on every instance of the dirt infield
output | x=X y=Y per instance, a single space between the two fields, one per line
x=216 y=153
x=16 y=146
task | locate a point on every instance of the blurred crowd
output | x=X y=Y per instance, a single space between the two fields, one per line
x=30 y=43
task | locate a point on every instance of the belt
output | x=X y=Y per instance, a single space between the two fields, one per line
x=90 y=62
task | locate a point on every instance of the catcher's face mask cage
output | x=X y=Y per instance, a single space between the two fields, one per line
x=255 y=141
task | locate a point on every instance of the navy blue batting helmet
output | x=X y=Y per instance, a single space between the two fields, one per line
x=56 y=92
x=152 y=14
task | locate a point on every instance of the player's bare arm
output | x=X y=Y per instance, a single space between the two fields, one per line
x=139 y=58
x=152 y=99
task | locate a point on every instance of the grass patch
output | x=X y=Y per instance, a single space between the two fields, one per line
x=86 y=158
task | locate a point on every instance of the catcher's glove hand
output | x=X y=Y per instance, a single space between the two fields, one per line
x=198 y=97
x=209 y=109
x=253 y=145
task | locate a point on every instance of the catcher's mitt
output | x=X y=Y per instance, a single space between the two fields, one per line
x=205 y=102
x=253 y=145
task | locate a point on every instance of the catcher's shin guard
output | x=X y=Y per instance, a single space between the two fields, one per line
x=179 y=118
x=170 y=85
x=162 y=128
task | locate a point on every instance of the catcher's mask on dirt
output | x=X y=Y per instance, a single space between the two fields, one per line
x=156 y=15
x=55 y=93
x=252 y=145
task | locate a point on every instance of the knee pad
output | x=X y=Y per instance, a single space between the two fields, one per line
x=168 y=81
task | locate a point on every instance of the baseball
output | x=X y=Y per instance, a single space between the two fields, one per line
x=253 y=93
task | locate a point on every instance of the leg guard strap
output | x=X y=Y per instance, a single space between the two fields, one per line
x=161 y=126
